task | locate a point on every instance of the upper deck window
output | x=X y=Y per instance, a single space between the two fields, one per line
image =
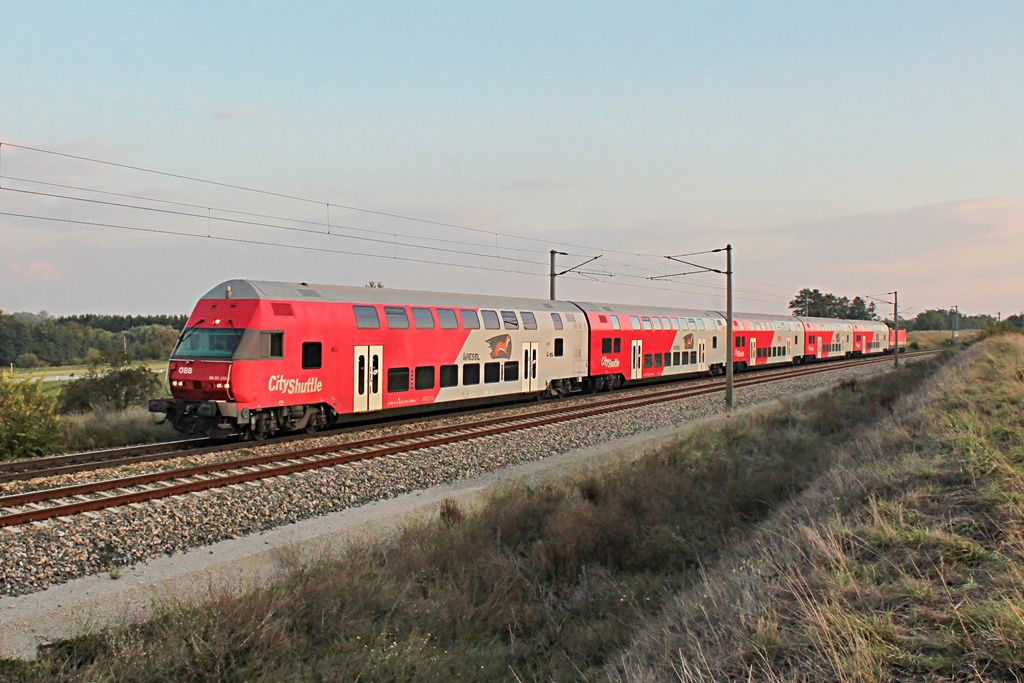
x=635 y=322
x=510 y=320
x=207 y=343
x=398 y=319
x=490 y=320
x=529 y=320
x=366 y=317
x=647 y=322
x=423 y=318
x=615 y=323
x=556 y=320
x=470 y=320
x=446 y=317
x=656 y=322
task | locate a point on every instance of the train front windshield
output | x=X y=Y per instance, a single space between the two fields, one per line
x=203 y=343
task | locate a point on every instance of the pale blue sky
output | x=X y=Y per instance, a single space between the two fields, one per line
x=856 y=149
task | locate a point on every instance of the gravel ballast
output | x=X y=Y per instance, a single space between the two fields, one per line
x=43 y=555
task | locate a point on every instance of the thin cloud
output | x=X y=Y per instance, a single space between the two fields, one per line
x=546 y=183
x=35 y=271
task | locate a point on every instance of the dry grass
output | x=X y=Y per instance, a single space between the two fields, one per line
x=108 y=429
x=937 y=339
x=543 y=582
x=904 y=562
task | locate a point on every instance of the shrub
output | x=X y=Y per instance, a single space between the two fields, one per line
x=28 y=419
x=116 y=389
x=28 y=360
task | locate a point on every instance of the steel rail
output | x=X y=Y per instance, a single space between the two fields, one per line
x=193 y=479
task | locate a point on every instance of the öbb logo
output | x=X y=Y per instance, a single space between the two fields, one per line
x=284 y=385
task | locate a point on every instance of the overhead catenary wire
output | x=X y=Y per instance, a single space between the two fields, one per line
x=239 y=240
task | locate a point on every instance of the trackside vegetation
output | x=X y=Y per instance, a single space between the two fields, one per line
x=905 y=561
x=541 y=582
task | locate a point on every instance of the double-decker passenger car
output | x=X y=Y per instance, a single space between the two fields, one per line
x=256 y=358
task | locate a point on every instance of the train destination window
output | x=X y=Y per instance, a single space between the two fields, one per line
x=366 y=317
x=398 y=380
x=529 y=320
x=425 y=376
x=556 y=320
x=615 y=323
x=606 y=345
x=446 y=317
x=559 y=346
x=512 y=371
x=510 y=320
x=492 y=373
x=490 y=320
x=618 y=345
x=656 y=322
x=657 y=360
x=471 y=374
x=449 y=376
x=398 y=319
x=312 y=354
x=423 y=318
x=470 y=320
x=635 y=322
x=648 y=360
x=271 y=345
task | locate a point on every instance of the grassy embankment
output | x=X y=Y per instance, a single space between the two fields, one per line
x=101 y=428
x=937 y=339
x=543 y=582
x=904 y=562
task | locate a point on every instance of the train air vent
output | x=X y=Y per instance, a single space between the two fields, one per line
x=282 y=309
x=310 y=293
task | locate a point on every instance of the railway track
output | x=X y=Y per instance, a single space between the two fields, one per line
x=35 y=506
x=72 y=463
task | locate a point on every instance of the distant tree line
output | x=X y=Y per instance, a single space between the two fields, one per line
x=35 y=339
x=813 y=303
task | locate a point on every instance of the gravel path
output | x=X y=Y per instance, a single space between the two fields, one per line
x=335 y=501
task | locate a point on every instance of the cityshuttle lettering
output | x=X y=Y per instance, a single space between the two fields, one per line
x=282 y=384
x=609 y=362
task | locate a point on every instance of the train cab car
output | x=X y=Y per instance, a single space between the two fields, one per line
x=762 y=340
x=261 y=357
x=901 y=337
x=642 y=342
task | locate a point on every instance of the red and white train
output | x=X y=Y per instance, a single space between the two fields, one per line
x=257 y=358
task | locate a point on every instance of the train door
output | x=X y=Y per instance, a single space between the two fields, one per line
x=753 y=352
x=368 y=364
x=530 y=366
x=637 y=369
x=700 y=354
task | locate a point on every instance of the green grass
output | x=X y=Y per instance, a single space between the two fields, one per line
x=543 y=582
x=904 y=562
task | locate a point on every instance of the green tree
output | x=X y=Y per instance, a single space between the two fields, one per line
x=815 y=304
x=29 y=424
x=116 y=389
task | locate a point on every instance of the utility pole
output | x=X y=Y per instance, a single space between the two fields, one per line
x=956 y=323
x=551 y=294
x=896 y=322
x=729 y=340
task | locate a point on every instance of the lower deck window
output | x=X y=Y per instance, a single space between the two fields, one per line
x=449 y=376
x=675 y=358
x=512 y=371
x=398 y=380
x=471 y=374
x=425 y=377
x=492 y=373
x=648 y=360
x=312 y=355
